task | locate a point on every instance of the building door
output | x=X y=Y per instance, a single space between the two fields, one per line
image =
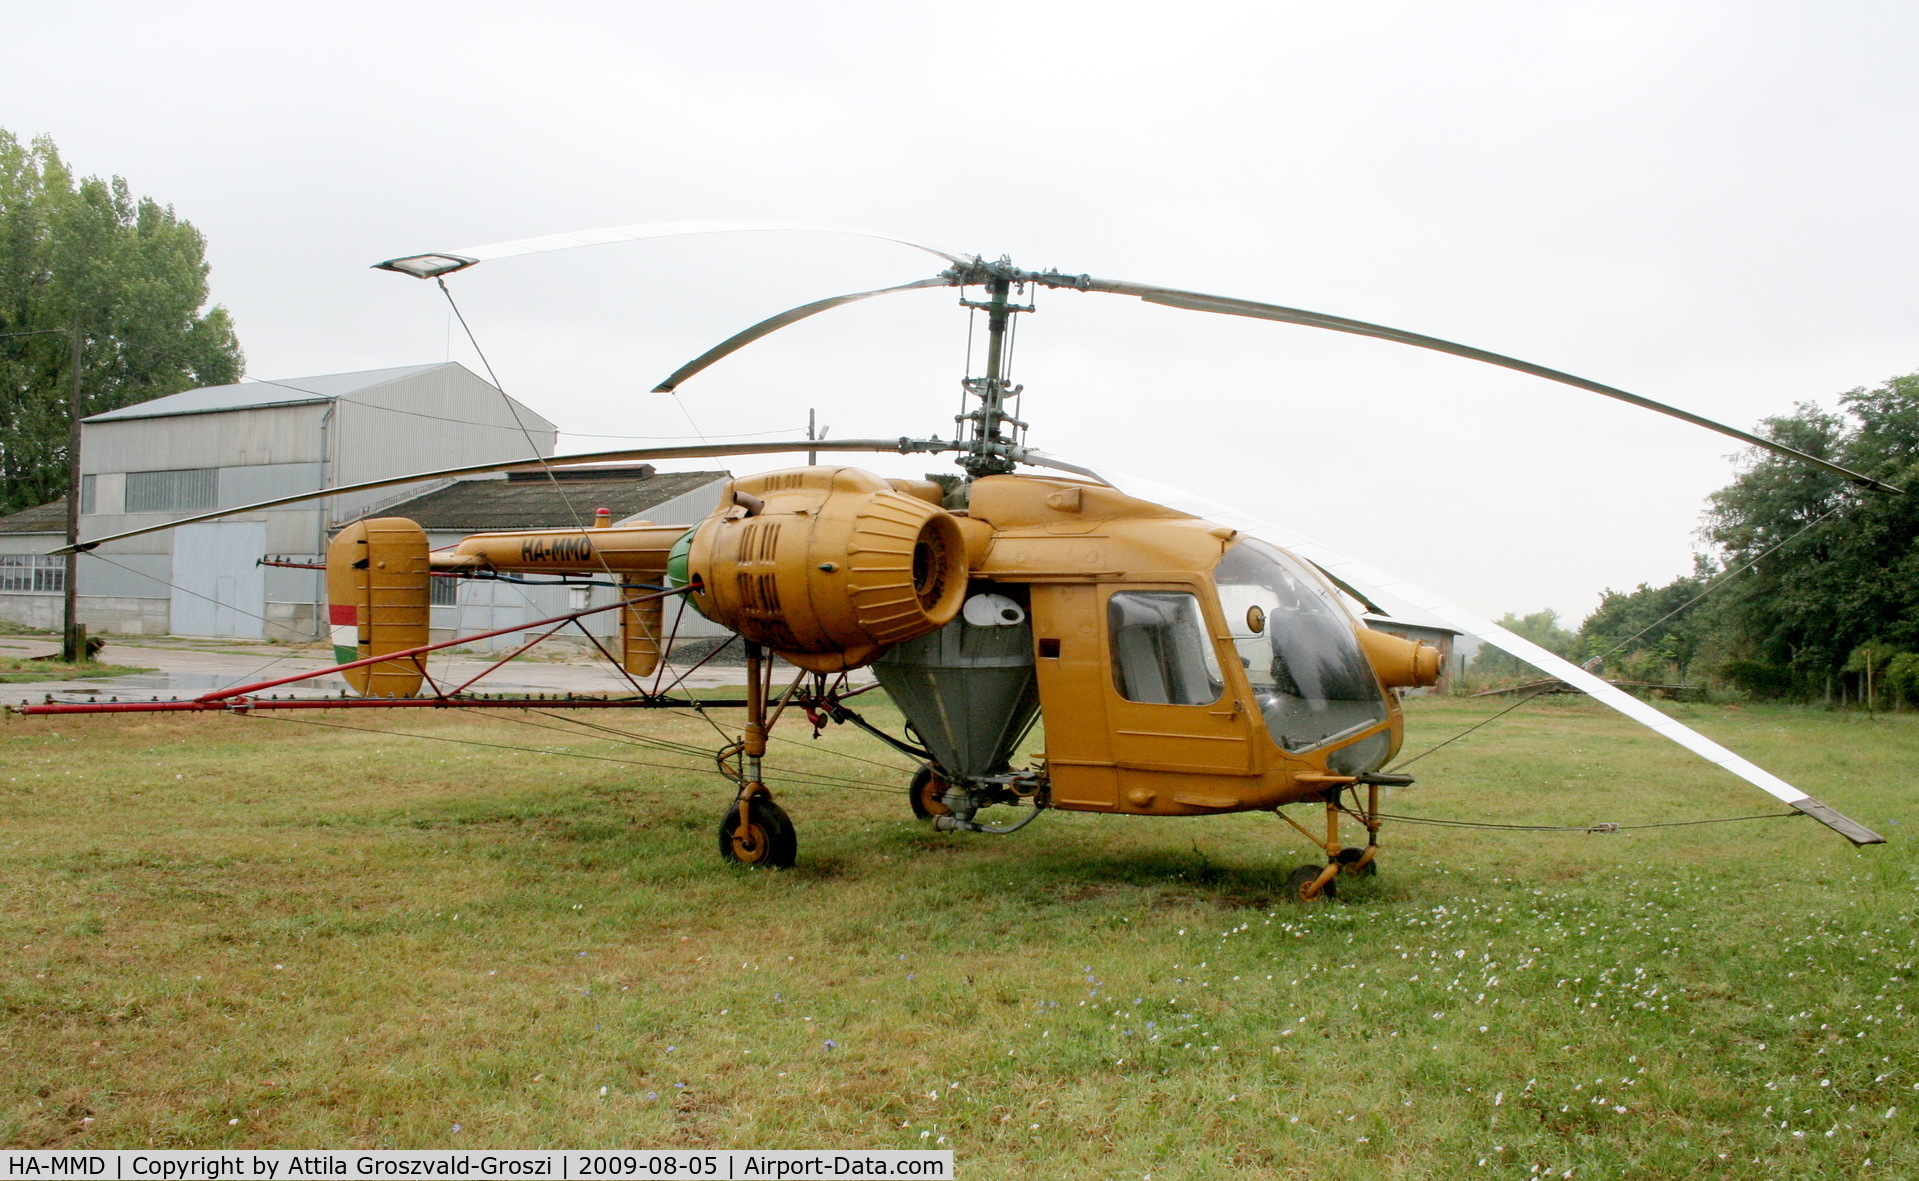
x=487 y=605
x=219 y=586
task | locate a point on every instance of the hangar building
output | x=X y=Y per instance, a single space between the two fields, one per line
x=224 y=446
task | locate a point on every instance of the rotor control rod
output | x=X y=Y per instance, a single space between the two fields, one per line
x=989 y=450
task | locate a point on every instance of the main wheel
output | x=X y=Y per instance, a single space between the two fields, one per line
x=1306 y=875
x=925 y=795
x=770 y=841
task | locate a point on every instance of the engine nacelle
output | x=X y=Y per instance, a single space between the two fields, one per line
x=378 y=602
x=1400 y=663
x=827 y=566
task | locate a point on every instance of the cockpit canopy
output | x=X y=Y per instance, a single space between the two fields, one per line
x=1309 y=676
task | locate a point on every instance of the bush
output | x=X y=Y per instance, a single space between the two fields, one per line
x=1761 y=679
x=1902 y=678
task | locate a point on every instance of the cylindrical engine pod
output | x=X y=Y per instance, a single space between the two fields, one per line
x=827 y=565
x=378 y=602
x=1400 y=663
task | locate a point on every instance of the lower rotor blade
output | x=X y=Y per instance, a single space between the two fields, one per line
x=1227 y=306
x=433 y=265
x=740 y=340
x=1034 y=457
x=902 y=446
x=1377 y=581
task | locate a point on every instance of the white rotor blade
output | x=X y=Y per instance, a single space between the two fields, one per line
x=428 y=266
x=902 y=445
x=1369 y=577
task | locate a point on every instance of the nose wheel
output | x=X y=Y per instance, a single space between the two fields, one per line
x=765 y=840
x=1309 y=883
x=1304 y=885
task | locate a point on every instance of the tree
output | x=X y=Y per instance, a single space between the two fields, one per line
x=1541 y=627
x=1833 y=567
x=1650 y=634
x=129 y=273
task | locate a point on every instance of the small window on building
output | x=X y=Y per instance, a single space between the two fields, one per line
x=443 y=592
x=1161 y=653
x=188 y=490
x=86 y=494
x=32 y=574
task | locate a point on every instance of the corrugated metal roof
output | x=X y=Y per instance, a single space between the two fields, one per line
x=474 y=506
x=50 y=517
x=247 y=395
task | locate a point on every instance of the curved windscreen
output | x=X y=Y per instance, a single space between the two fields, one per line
x=1308 y=674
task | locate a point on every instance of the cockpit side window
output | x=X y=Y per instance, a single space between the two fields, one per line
x=1161 y=653
x=1308 y=674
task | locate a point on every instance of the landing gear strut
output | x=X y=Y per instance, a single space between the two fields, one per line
x=755 y=831
x=1309 y=883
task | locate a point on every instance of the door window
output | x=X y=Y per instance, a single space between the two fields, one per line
x=1161 y=653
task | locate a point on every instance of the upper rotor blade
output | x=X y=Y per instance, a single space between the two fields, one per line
x=902 y=445
x=740 y=340
x=1225 y=305
x=433 y=265
x=1362 y=574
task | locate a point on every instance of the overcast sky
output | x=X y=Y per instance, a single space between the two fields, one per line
x=1707 y=204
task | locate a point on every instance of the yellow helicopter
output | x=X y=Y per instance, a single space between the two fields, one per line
x=1186 y=659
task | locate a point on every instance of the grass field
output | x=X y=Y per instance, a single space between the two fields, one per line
x=14 y=670
x=262 y=932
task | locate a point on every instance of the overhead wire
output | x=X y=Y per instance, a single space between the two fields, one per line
x=1468 y=730
x=572 y=510
x=849 y=785
x=519 y=423
x=1593 y=828
x=651 y=742
x=1717 y=581
x=244 y=678
x=1723 y=576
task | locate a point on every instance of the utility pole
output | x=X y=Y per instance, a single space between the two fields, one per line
x=74 y=643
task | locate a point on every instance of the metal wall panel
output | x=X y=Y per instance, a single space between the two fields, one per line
x=688 y=508
x=445 y=417
x=126 y=576
x=293 y=531
x=258 y=482
x=234 y=438
x=101 y=524
x=109 y=493
x=30 y=543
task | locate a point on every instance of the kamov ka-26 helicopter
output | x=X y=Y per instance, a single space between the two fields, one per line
x=1186 y=659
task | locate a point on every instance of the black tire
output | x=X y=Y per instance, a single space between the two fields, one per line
x=1306 y=875
x=771 y=842
x=1349 y=863
x=924 y=794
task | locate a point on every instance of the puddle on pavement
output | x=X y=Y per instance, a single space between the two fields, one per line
x=157 y=686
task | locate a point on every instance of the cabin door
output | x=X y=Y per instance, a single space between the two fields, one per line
x=1170 y=706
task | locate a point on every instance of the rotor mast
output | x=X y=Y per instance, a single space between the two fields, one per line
x=992 y=436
